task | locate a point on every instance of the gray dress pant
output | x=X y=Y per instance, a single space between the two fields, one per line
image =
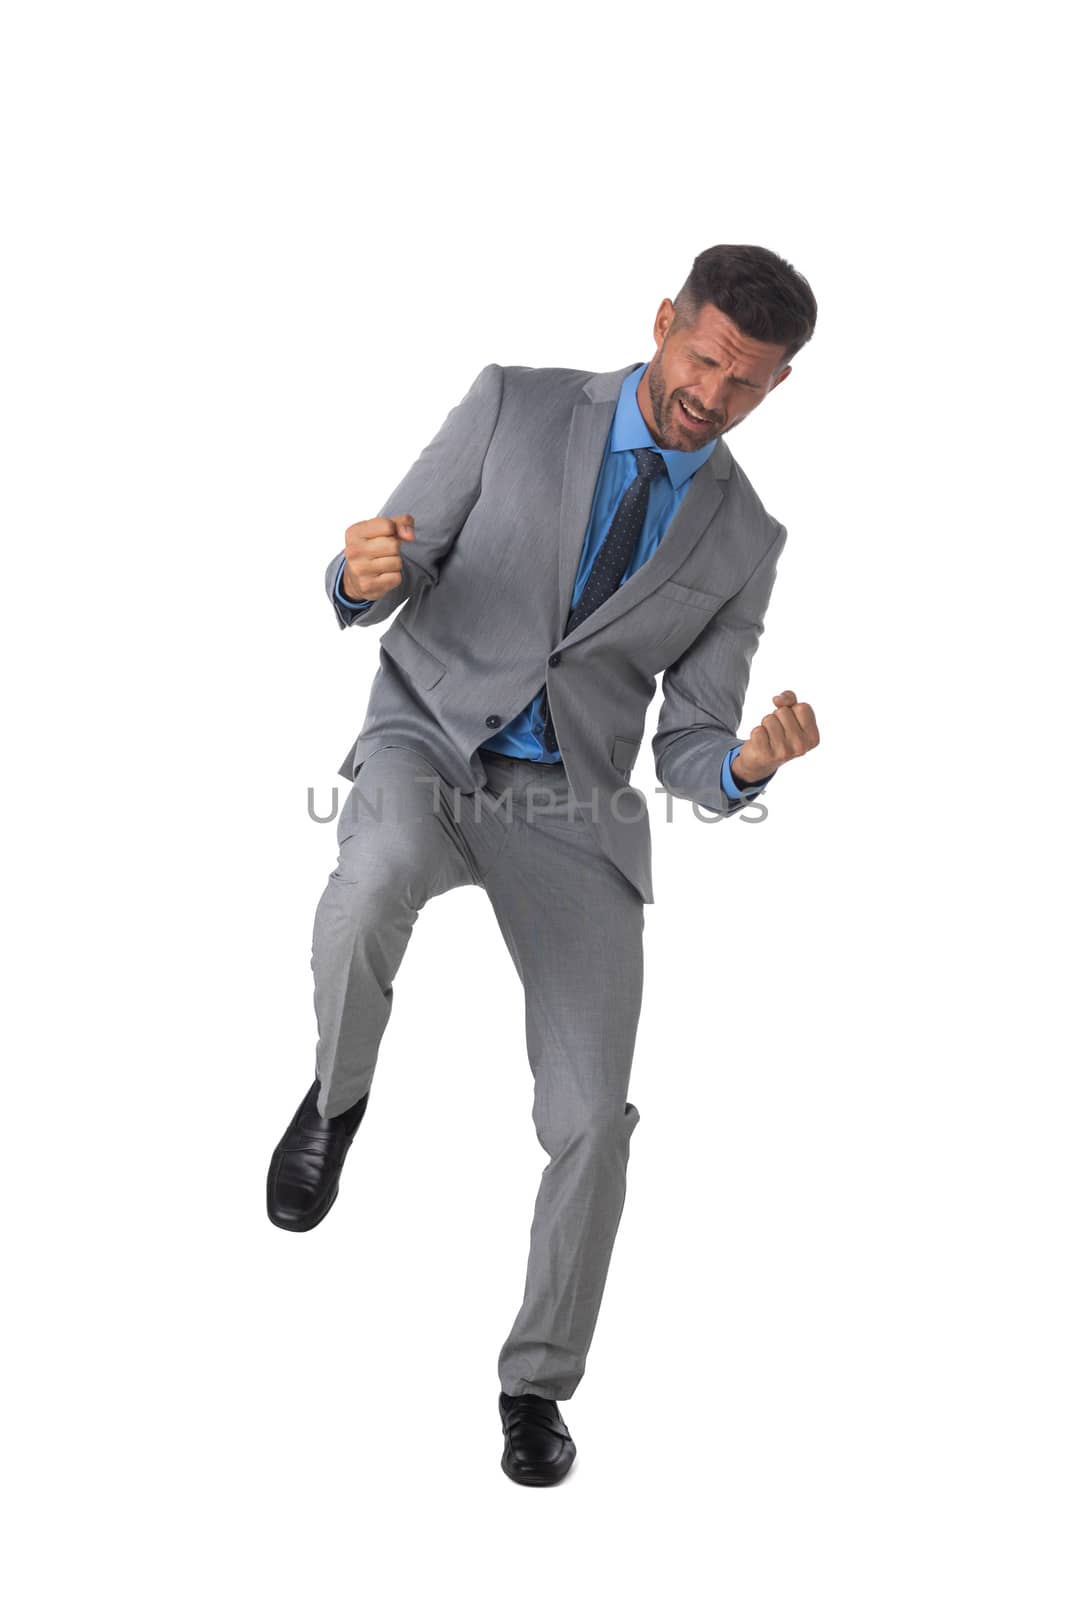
x=574 y=926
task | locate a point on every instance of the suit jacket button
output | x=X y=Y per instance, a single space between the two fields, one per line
x=555 y=659
x=492 y=721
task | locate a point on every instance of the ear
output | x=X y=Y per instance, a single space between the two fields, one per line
x=664 y=318
x=780 y=378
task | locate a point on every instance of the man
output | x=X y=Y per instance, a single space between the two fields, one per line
x=565 y=537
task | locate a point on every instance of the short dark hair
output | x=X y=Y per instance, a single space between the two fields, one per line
x=767 y=298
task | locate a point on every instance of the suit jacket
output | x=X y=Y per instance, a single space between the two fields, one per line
x=501 y=499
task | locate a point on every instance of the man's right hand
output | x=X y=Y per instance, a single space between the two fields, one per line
x=372 y=556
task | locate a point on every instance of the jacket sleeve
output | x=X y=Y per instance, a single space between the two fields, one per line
x=704 y=693
x=439 y=491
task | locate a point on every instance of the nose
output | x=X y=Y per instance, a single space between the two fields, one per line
x=711 y=395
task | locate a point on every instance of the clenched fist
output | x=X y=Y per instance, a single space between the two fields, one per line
x=783 y=734
x=372 y=556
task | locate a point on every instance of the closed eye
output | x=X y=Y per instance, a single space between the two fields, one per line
x=709 y=361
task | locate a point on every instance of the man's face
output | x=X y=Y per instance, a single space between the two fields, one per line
x=709 y=367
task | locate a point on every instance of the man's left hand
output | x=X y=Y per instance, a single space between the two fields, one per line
x=785 y=733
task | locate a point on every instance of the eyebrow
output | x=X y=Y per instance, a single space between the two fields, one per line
x=709 y=361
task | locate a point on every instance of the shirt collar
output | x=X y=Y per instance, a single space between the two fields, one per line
x=630 y=432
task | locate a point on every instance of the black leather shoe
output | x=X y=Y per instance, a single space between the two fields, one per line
x=538 y=1447
x=305 y=1170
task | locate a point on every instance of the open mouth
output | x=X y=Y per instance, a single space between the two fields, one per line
x=693 y=420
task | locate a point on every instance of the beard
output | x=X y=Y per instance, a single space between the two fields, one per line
x=668 y=432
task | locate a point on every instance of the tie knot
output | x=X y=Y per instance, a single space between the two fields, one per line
x=649 y=463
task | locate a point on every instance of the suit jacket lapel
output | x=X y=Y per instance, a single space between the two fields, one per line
x=590 y=428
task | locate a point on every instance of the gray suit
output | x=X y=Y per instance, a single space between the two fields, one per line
x=501 y=500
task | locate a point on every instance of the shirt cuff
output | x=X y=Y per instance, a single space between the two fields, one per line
x=729 y=784
x=353 y=605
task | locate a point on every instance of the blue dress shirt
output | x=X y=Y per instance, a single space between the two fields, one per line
x=629 y=432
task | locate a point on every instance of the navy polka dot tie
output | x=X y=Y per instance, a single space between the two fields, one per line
x=613 y=557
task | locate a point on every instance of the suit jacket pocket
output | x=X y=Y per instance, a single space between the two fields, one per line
x=420 y=664
x=702 y=599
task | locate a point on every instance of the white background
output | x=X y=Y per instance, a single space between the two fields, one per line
x=254 y=256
